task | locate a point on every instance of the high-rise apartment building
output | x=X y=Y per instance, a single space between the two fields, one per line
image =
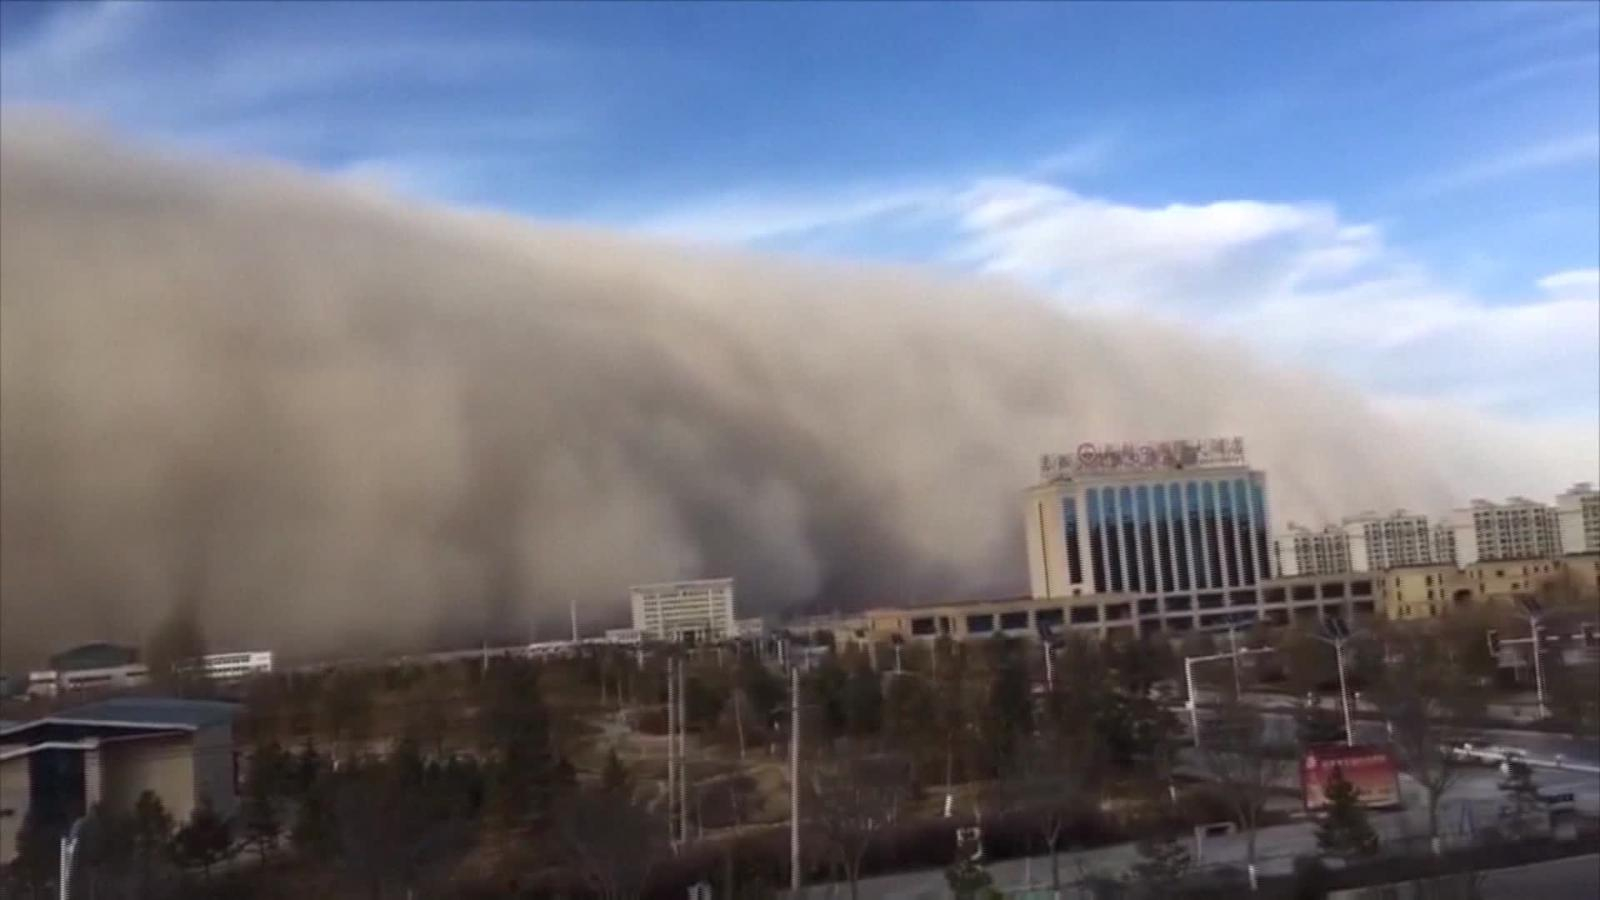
x=1397 y=539
x=684 y=610
x=1444 y=543
x=1185 y=520
x=1516 y=529
x=1300 y=551
x=1578 y=513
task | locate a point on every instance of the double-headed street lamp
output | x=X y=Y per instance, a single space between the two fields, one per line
x=1336 y=631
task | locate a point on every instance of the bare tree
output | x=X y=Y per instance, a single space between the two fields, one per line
x=1051 y=783
x=853 y=799
x=611 y=838
x=1420 y=683
x=1237 y=755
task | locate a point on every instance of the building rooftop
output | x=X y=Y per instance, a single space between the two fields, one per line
x=94 y=655
x=153 y=711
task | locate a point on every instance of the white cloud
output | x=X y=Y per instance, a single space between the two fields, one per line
x=1300 y=285
x=1296 y=283
x=1549 y=154
x=1579 y=283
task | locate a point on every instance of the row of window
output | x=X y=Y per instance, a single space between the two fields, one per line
x=1017 y=621
x=1170 y=537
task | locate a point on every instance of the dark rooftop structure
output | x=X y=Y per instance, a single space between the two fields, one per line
x=97 y=655
x=121 y=715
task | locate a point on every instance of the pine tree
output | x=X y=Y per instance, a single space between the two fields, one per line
x=967 y=878
x=1163 y=863
x=1523 y=807
x=204 y=841
x=1345 y=831
x=258 y=813
x=615 y=775
x=152 y=837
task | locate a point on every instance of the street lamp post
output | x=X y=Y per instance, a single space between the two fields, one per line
x=69 y=850
x=794 y=780
x=1336 y=632
x=1533 y=612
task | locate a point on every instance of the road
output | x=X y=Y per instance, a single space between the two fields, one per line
x=1576 y=878
x=1281 y=727
x=1472 y=803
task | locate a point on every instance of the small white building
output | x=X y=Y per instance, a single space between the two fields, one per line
x=684 y=611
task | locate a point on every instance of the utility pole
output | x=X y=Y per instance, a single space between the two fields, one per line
x=683 y=754
x=572 y=607
x=672 y=751
x=1336 y=632
x=794 y=779
x=1538 y=666
x=1533 y=612
x=1233 y=651
x=1344 y=695
x=69 y=850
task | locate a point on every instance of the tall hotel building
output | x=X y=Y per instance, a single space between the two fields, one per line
x=1184 y=522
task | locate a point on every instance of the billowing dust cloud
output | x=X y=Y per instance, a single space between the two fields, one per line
x=341 y=423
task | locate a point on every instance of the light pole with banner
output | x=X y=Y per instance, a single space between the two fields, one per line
x=69 y=850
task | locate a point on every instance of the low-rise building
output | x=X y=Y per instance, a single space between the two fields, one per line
x=1423 y=592
x=106 y=666
x=1504 y=580
x=55 y=768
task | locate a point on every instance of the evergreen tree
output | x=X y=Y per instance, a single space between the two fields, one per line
x=967 y=878
x=1316 y=725
x=203 y=841
x=615 y=776
x=38 y=855
x=863 y=701
x=152 y=839
x=1345 y=831
x=1163 y=863
x=1010 y=717
x=264 y=788
x=1524 y=808
x=316 y=827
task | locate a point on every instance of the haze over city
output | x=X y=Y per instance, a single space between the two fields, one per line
x=442 y=319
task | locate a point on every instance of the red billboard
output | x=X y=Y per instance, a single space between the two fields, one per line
x=1370 y=768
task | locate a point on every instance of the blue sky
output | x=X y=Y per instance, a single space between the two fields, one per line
x=1405 y=195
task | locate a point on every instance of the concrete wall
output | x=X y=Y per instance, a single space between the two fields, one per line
x=164 y=765
x=214 y=768
x=14 y=787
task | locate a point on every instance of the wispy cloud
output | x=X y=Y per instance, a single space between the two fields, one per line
x=1577 y=283
x=1554 y=69
x=1558 y=152
x=752 y=217
x=1086 y=157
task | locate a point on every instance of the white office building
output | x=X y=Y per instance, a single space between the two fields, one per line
x=1516 y=529
x=1578 y=512
x=1400 y=538
x=685 y=610
x=1185 y=521
x=1298 y=550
